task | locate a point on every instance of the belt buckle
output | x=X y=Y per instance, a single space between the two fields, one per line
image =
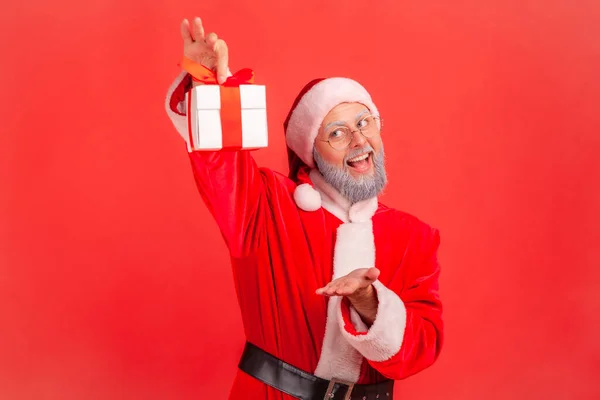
x=329 y=393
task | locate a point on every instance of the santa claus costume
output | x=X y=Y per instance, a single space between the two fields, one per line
x=290 y=235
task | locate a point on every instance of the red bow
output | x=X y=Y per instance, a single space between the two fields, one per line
x=202 y=74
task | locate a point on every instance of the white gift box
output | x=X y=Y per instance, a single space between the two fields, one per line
x=245 y=121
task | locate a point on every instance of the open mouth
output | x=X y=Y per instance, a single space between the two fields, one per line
x=361 y=163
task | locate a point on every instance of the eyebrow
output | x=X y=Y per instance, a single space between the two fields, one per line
x=343 y=123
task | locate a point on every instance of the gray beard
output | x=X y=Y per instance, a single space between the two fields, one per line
x=354 y=189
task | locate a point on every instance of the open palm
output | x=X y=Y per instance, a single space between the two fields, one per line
x=350 y=284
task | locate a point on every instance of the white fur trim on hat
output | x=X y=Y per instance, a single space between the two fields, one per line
x=313 y=107
x=307 y=198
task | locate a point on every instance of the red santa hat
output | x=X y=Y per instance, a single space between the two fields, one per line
x=302 y=124
x=312 y=105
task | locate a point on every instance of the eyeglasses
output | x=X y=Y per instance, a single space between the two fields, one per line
x=340 y=137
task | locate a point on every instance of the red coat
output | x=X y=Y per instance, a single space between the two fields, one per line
x=281 y=255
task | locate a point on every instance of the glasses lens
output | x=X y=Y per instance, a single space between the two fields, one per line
x=369 y=126
x=340 y=138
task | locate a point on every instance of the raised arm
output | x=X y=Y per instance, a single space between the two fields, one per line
x=229 y=181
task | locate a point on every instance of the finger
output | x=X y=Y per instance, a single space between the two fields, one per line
x=334 y=288
x=347 y=289
x=343 y=291
x=331 y=284
x=198 y=30
x=324 y=288
x=325 y=292
x=186 y=35
x=222 y=53
x=211 y=39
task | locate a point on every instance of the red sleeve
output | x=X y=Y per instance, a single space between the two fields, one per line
x=229 y=181
x=406 y=336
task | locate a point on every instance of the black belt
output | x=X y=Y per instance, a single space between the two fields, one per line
x=295 y=382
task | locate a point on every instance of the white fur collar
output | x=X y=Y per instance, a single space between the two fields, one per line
x=354 y=248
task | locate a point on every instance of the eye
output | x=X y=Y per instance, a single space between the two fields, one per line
x=363 y=123
x=336 y=134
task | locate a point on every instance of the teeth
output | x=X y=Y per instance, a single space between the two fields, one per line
x=359 y=158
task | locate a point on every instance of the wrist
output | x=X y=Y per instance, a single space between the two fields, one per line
x=365 y=303
x=362 y=296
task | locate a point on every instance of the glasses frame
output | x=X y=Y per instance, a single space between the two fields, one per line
x=378 y=120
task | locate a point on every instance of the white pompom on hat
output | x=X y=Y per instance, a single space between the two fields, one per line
x=307 y=198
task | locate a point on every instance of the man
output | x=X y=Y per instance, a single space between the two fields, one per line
x=338 y=293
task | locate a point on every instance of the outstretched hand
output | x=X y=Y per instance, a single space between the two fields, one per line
x=207 y=50
x=355 y=284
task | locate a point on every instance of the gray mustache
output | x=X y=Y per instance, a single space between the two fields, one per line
x=354 y=153
x=353 y=189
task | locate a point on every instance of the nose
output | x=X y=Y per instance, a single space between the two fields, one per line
x=358 y=139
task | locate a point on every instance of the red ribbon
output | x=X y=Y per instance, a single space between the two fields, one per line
x=231 y=106
x=202 y=74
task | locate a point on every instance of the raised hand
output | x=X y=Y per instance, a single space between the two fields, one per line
x=207 y=50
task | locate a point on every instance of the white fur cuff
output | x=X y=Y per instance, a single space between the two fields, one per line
x=384 y=338
x=179 y=121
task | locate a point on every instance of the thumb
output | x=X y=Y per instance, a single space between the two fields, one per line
x=372 y=274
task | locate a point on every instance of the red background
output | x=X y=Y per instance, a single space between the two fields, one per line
x=114 y=281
